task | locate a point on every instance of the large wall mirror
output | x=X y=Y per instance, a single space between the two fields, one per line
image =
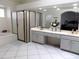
x=64 y=13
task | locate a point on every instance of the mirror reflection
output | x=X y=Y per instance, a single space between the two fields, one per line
x=66 y=14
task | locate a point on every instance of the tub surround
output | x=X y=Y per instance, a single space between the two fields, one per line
x=68 y=40
x=6 y=38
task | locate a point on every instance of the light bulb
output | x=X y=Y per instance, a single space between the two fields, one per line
x=44 y=10
x=58 y=8
x=55 y=7
x=75 y=4
x=40 y=8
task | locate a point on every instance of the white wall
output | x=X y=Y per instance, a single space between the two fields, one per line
x=5 y=23
x=6 y=3
x=8 y=17
x=2 y=24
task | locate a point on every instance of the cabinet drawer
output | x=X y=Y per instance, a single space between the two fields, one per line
x=70 y=38
x=66 y=37
x=75 y=46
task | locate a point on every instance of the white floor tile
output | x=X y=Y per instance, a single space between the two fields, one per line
x=10 y=54
x=45 y=57
x=2 y=54
x=33 y=52
x=20 y=50
x=57 y=56
x=9 y=58
x=22 y=57
x=42 y=52
x=34 y=57
x=21 y=53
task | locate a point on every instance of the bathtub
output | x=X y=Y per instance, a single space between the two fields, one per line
x=6 y=38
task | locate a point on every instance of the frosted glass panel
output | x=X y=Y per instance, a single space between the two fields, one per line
x=14 y=23
x=37 y=19
x=32 y=19
x=20 y=26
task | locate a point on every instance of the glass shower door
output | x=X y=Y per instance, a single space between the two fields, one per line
x=20 y=22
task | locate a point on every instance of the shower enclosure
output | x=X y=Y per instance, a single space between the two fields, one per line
x=23 y=21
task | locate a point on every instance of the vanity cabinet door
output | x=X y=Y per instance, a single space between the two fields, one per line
x=75 y=46
x=65 y=44
x=36 y=37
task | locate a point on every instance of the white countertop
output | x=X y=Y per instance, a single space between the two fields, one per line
x=62 y=32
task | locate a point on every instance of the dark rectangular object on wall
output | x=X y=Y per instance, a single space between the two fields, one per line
x=69 y=21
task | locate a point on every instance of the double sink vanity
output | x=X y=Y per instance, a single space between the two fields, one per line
x=68 y=41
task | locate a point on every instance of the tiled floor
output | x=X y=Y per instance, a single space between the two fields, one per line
x=20 y=50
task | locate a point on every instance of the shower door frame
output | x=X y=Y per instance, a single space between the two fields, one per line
x=24 y=23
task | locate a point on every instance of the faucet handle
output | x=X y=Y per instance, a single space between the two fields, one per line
x=72 y=31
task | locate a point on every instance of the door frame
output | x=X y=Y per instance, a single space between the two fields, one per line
x=23 y=24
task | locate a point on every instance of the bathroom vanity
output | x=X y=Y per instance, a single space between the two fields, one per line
x=69 y=41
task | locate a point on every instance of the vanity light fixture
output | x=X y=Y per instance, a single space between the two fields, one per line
x=75 y=4
x=55 y=7
x=44 y=10
x=40 y=8
x=58 y=8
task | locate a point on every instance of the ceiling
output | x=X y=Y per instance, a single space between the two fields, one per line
x=14 y=2
x=22 y=1
x=61 y=6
